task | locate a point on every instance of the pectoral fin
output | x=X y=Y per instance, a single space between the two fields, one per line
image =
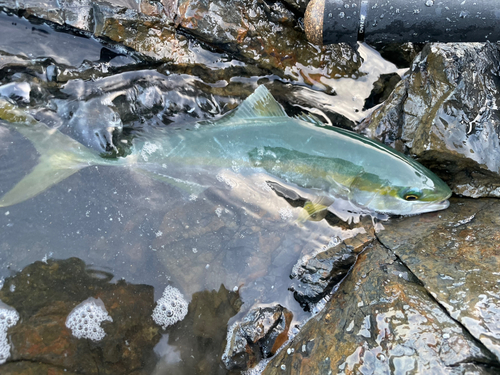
x=315 y=210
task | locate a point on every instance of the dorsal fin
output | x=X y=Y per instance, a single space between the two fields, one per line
x=260 y=104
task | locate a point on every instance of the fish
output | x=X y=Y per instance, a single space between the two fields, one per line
x=257 y=137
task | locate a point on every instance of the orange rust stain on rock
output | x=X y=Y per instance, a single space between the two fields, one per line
x=283 y=337
x=242 y=33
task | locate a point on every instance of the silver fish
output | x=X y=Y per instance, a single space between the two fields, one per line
x=258 y=136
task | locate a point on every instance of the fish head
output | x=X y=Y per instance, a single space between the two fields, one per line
x=423 y=192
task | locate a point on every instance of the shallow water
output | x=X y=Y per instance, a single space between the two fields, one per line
x=239 y=233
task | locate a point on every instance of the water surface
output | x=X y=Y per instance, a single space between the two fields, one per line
x=239 y=233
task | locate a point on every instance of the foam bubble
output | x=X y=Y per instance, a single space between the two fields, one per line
x=224 y=179
x=8 y=318
x=170 y=308
x=86 y=318
x=285 y=213
x=148 y=149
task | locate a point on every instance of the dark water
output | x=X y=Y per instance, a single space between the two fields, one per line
x=240 y=235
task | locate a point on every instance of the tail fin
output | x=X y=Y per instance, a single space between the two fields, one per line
x=60 y=155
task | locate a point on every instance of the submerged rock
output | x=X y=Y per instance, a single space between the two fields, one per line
x=261 y=333
x=45 y=294
x=195 y=345
x=456 y=256
x=381 y=320
x=445 y=112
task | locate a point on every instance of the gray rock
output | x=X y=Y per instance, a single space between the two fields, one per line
x=313 y=278
x=298 y=5
x=260 y=334
x=444 y=113
x=145 y=26
x=268 y=36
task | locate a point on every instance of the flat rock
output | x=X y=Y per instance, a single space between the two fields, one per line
x=381 y=320
x=456 y=256
x=444 y=112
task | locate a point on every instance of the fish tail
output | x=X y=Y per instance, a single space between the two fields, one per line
x=60 y=155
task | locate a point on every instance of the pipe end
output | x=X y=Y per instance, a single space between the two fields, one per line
x=313 y=21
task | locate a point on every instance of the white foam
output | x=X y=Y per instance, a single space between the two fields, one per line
x=8 y=318
x=170 y=308
x=221 y=178
x=86 y=318
x=148 y=149
x=285 y=213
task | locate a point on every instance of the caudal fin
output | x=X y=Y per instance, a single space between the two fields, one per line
x=60 y=155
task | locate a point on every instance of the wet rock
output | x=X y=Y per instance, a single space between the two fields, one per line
x=445 y=113
x=382 y=88
x=269 y=36
x=298 y=5
x=400 y=54
x=455 y=254
x=200 y=338
x=314 y=277
x=30 y=368
x=45 y=293
x=261 y=333
x=147 y=27
x=381 y=320
x=264 y=35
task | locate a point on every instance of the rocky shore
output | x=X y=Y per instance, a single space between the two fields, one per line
x=410 y=295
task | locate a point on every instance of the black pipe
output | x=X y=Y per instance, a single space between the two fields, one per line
x=400 y=21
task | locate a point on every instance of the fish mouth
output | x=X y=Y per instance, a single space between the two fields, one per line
x=431 y=207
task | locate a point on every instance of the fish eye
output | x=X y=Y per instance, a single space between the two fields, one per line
x=411 y=194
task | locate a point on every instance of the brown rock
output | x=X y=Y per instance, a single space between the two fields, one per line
x=455 y=254
x=200 y=338
x=269 y=36
x=45 y=293
x=380 y=320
